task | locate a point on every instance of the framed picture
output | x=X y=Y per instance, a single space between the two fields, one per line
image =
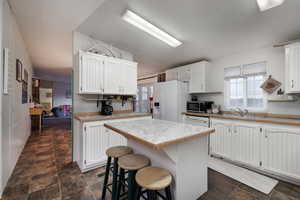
x=25 y=77
x=24 y=92
x=19 y=70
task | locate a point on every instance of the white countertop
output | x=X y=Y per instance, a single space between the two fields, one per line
x=99 y=117
x=158 y=133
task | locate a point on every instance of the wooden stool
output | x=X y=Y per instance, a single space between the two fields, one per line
x=154 y=179
x=115 y=153
x=131 y=163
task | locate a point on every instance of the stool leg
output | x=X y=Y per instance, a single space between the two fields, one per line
x=168 y=193
x=131 y=185
x=151 y=195
x=106 y=177
x=138 y=193
x=120 y=183
x=115 y=179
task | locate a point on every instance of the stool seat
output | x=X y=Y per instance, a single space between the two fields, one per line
x=153 y=178
x=133 y=162
x=118 y=151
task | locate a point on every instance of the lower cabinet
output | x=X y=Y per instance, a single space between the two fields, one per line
x=269 y=147
x=220 y=141
x=246 y=143
x=281 y=151
x=93 y=142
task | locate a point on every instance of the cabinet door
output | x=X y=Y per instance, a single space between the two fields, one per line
x=293 y=68
x=130 y=81
x=172 y=74
x=184 y=73
x=91 y=73
x=113 y=76
x=115 y=139
x=197 y=80
x=247 y=143
x=221 y=139
x=95 y=143
x=281 y=151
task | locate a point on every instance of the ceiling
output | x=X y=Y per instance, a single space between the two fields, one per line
x=47 y=26
x=209 y=29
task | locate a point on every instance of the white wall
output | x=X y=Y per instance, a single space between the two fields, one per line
x=59 y=93
x=15 y=118
x=275 y=67
x=1 y=73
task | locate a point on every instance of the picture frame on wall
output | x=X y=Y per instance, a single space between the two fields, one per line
x=19 y=70
x=25 y=76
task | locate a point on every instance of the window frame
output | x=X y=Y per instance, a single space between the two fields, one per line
x=245 y=92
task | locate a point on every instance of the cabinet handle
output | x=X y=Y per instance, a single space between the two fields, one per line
x=292 y=83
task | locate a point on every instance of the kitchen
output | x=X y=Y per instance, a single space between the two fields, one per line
x=175 y=100
x=244 y=105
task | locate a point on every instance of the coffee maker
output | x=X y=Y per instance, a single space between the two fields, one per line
x=106 y=108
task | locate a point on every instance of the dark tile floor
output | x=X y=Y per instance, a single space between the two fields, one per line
x=45 y=172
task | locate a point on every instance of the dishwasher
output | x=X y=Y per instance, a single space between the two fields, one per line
x=198 y=121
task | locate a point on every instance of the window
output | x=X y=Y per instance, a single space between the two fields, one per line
x=142 y=103
x=242 y=86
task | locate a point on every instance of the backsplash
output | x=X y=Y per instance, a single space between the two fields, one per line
x=272 y=107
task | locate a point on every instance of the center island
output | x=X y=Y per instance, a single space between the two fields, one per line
x=180 y=148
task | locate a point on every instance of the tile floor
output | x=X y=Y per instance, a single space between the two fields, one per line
x=45 y=172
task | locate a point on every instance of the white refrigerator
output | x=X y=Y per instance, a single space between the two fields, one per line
x=170 y=100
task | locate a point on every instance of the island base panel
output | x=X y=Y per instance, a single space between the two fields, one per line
x=187 y=162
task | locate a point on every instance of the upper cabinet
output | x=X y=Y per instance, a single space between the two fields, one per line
x=201 y=80
x=292 y=73
x=197 y=74
x=106 y=75
x=91 y=71
x=179 y=73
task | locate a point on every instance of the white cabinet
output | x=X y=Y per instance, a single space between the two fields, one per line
x=221 y=139
x=281 y=151
x=292 y=68
x=200 y=78
x=93 y=141
x=246 y=139
x=112 y=76
x=106 y=75
x=91 y=71
x=268 y=147
x=179 y=73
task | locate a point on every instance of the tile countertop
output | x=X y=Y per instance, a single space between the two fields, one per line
x=97 y=117
x=264 y=118
x=158 y=133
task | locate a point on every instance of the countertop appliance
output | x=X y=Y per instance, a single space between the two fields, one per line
x=106 y=109
x=170 y=100
x=199 y=106
x=198 y=121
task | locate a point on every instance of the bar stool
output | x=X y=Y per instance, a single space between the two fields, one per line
x=153 y=179
x=115 y=153
x=131 y=163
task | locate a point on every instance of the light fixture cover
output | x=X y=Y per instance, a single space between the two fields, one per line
x=146 y=26
x=268 y=4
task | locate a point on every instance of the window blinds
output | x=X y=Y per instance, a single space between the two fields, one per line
x=259 y=68
x=254 y=69
x=232 y=72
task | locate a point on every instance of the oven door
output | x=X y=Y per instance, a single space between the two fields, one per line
x=193 y=107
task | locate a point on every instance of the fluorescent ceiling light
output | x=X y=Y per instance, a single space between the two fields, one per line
x=268 y=4
x=146 y=26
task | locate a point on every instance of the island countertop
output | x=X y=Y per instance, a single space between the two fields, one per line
x=158 y=133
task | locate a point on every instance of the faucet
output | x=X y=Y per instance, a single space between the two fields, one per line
x=241 y=112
